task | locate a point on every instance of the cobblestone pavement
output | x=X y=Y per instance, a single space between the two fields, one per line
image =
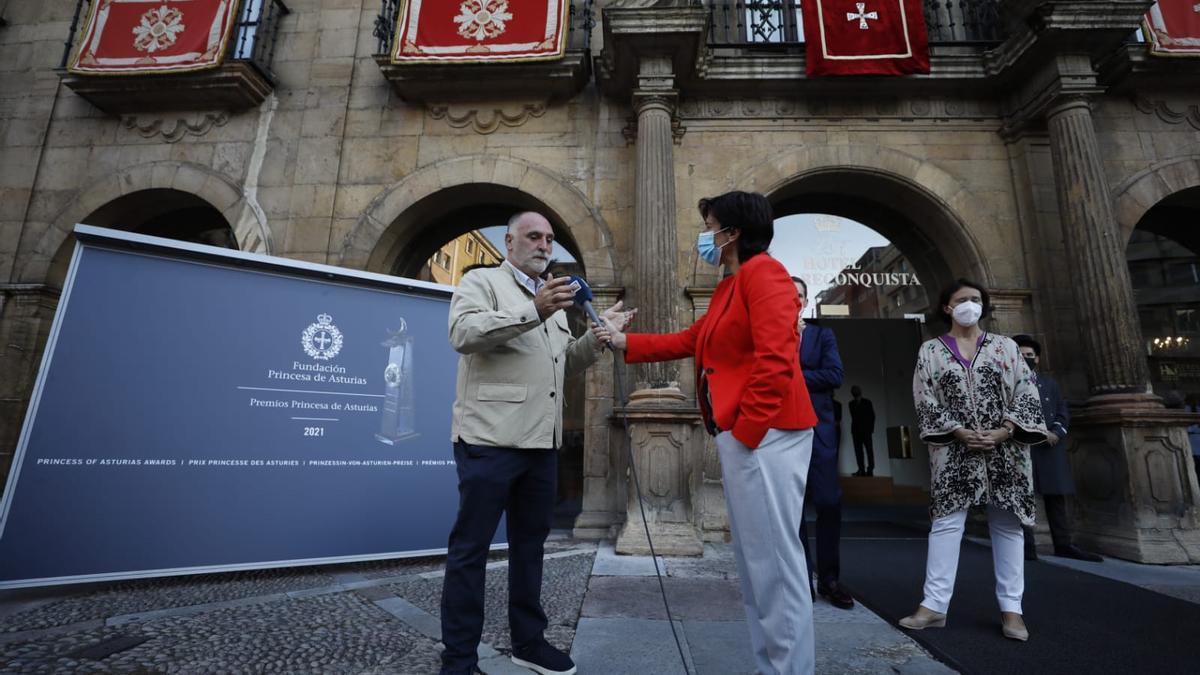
x=373 y=617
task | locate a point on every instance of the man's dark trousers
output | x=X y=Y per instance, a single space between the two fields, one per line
x=492 y=482
x=824 y=493
x=864 y=445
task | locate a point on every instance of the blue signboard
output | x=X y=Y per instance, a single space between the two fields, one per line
x=201 y=409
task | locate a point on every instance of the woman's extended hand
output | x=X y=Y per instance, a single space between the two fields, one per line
x=615 y=321
x=618 y=318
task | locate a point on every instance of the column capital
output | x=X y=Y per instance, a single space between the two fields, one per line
x=1069 y=100
x=665 y=99
x=649 y=100
x=1063 y=82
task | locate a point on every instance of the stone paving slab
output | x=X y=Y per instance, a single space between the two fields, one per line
x=640 y=597
x=720 y=647
x=717 y=563
x=870 y=648
x=615 y=646
x=823 y=612
x=1132 y=573
x=608 y=563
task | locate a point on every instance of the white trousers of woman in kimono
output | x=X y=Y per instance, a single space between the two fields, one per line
x=1008 y=559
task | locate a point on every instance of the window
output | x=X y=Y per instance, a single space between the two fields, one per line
x=1183 y=273
x=470 y=246
x=773 y=22
x=1187 y=320
x=1145 y=273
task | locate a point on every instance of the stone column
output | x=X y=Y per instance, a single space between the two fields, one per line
x=1137 y=490
x=1112 y=342
x=603 y=494
x=662 y=424
x=655 y=289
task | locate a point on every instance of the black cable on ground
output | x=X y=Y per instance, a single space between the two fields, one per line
x=624 y=396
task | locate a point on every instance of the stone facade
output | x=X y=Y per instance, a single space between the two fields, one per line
x=982 y=169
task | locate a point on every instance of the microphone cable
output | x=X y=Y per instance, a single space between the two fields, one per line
x=619 y=375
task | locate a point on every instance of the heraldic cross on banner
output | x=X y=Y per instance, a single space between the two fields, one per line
x=480 y=31
x=165 y=36
x=865 y=37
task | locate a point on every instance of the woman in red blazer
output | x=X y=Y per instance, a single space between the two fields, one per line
x=753 y=399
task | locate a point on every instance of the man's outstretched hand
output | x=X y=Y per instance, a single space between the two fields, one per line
x=556 y=294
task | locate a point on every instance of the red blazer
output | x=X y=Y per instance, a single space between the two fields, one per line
x=746 y=345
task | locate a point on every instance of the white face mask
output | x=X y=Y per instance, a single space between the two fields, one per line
x=967 y=314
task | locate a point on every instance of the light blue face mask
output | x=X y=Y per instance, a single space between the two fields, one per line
x=706 y=246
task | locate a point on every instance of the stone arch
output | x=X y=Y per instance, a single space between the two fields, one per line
x=1136 y=195
x=247 y=220
x=923 y=202
x=397 y=217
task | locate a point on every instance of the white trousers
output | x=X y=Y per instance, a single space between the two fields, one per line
x=764 y=494
x=1008 y=559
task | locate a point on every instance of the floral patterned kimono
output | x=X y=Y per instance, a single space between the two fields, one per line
x=997 y=386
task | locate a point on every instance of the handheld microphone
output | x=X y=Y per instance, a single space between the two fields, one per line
x=583 y=298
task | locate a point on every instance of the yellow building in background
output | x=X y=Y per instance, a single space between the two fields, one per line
x=447 y=264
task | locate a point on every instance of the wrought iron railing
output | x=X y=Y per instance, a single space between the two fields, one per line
x=780 y=22
x=580 y=21
x=255 y=33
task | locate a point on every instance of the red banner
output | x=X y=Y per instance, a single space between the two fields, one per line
x=1172 y=28
x=472 y=31
x=865 y=37
x=154 y=36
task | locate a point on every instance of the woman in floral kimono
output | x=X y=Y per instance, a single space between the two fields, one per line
x=978 y=410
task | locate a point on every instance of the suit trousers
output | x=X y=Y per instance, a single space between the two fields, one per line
x=864 y=445
x=1008 y=559
x=1060 y=526
x=764 y=494
x=823 y=493
x=493 y=482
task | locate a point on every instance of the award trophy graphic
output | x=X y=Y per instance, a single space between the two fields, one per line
x=398 y=415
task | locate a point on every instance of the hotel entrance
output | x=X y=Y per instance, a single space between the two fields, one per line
x=864 y=289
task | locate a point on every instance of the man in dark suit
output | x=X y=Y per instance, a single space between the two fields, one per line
x=1051 y=471
x=822 y=368
x=862 y=426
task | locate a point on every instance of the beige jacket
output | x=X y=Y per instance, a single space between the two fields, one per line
x=510 y=373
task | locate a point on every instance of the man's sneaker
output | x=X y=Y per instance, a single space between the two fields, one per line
x=545 y=659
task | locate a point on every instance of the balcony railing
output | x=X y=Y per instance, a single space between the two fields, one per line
x=780 y=22
x=256 y=33
x=580 y=21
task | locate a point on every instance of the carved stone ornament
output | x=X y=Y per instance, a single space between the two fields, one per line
x=1164 y=112
x=629 y=131
x=814 y=107
x=484 y=120
x=172 y=130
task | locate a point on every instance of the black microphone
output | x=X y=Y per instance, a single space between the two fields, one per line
x=583 y=298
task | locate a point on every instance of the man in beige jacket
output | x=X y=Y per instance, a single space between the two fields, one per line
x=515 y=350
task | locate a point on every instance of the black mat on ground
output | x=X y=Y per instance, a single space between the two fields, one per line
x=1078 y=622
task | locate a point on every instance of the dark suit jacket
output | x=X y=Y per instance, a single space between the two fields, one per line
x=862 y=417
x=745 y=346
x=822 y=368
x=1051 y=470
